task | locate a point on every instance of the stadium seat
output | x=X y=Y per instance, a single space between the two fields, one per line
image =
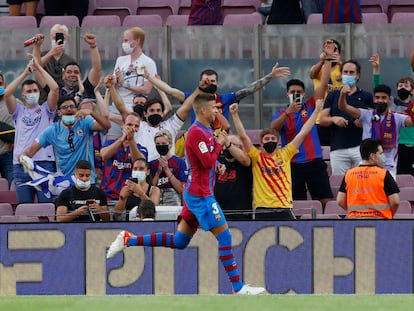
x=8 y=196
x=6 y=209
x=163 y=212
x=402 y=18
x=336 y=179
x=68 y=20
x=374 y=18
x=18 y=22
x=314 y=19
x=184 y=7
x=122 y=8
x=321 y=216
x=242 y=19
x=374 y=6
x=44 y=211
x=177 y=20
x=142 y=20
x=302 y=207
x=407 y=193
x=4 y=184
x=91 y=21
x=164 y=8
x=332 y=207
x=405 y=180
x=254 y=136
x=403 y=6
x=404 y=208
x=239 y=6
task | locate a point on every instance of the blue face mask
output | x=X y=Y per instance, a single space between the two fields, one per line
x=349 y=80
x=1 y=90
x=68 y=119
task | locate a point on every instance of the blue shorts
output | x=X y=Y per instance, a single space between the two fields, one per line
x=206 y=209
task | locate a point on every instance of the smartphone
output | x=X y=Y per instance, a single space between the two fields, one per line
x=135 y=180
x=140 y=71
x=90 y=201
x=59 y=37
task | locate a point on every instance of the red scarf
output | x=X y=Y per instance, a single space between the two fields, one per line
x=385 y=131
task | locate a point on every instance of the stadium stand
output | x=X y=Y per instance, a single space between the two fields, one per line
x=44 y=211
x=142 y=20
x=184 y=7
x=399 y=6
x=332 y=207
x=68 y=20
x=18 y=22
x=101 y=21
x=4 y=184
x=177 y=20
x=402 y=18
x=122 y=8
x=311 y=207
x=242 y=19
x=6 y=209
x=374 y=6
x=373 y=18
x=164 y=8
x=239 y=6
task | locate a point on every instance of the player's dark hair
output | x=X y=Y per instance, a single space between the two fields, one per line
x=368 y=146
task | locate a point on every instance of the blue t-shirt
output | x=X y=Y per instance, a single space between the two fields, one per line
x=70 y=148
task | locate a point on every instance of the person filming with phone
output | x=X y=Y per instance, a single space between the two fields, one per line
x=82 y=202
x=136 y=189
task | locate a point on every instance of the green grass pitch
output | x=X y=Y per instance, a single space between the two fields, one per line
x=209 y=302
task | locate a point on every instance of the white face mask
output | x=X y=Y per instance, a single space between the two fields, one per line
x=82 y=184
x=126 y=47
x=53 y=44
x=139 y=175
x=382 y=159
x=32 y=98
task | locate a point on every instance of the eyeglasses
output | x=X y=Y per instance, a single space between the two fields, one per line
x=70 y=140
x=66 y=107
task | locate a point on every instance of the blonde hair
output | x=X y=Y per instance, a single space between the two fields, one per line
x=164 y=133
x=59 y=28
x=138 y=33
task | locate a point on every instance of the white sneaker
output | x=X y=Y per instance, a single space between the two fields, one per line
x=119 y=244
x=250 y=290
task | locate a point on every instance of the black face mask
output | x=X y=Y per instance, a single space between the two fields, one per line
x=139 y=109
x=381 y=107
x=162 y=149
x=403 y=94
x=212 y=88
x=227 y=154
x=270 y=146
x=154 y=119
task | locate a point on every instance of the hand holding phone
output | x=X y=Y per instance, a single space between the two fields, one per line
x=59 y=38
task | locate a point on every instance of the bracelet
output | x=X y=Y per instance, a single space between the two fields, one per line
x=229 y=145
x=77 y=94
x=92 y=47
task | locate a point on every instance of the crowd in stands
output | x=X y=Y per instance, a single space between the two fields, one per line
x=203 y=12
x=112 y=146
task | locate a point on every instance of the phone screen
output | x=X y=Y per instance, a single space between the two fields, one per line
x=59 y=37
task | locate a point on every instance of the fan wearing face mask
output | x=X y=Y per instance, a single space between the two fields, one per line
x=272 y=181
x=168 y=172
x=346 y=131
x=401 y=104
x=71 y=137
x=31 y=119
x=129 y=73
x=136 y=189
x=83 y=201
x=309 y=170
x=382 y=123
x=369 y=190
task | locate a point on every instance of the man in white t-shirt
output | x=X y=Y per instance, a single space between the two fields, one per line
x=31 y=119
x=381 y=123
x=129 y=74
